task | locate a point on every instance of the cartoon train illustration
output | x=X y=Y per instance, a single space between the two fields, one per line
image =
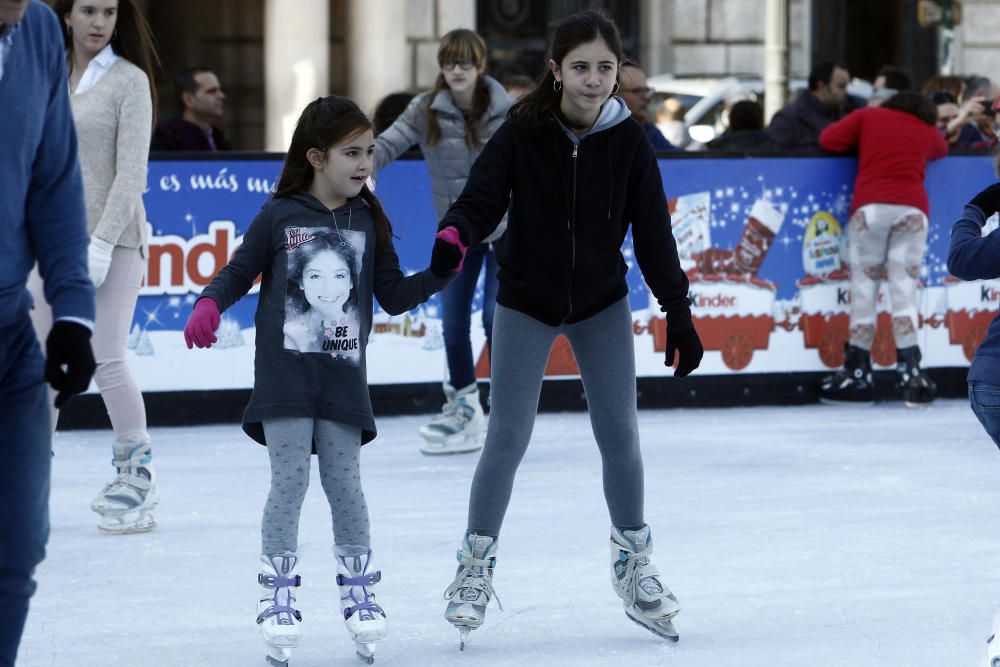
x=734 y=315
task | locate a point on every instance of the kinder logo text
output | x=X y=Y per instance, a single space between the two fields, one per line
x=988 y=294
x=178 y=265
x=714 y=301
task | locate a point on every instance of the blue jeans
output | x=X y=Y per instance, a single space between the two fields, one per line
x=456 y=307
x=985 y=401
x=26 y=447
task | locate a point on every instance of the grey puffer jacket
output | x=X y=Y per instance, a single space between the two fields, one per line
x=450 y=160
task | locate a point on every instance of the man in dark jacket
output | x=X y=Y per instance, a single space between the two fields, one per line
x=637 y=94
x=200 y=98
x=798 y=125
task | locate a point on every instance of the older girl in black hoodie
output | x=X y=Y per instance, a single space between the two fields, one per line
x=576 y=172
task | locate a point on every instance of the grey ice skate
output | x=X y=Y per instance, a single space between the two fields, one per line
x=471 y=591
x=459 y=427
x=125 y=504
x=646 y=599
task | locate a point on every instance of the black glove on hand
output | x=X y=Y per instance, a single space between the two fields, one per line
x=68 y=345
x=445 y=258
x=988 y=200
x=686 y=342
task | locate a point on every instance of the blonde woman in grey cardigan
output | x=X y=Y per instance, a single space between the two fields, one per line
x=451 y=123
x=110 y=57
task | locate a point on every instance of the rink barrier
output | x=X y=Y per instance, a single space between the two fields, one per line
x=192 y=245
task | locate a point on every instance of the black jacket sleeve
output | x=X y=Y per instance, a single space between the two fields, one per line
x=252 y=258
x=397 y=293
x=653 y=239
x=486 y=197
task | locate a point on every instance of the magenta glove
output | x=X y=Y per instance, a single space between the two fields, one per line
x=448 y=253
x=201 y=326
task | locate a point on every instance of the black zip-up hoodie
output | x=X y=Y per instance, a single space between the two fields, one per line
x=571 y=202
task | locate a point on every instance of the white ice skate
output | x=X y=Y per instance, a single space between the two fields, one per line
x=459 y=427
x=471 y=591
x=126 y=502
x=276 y=616
x=366 y=621
x=637 y=582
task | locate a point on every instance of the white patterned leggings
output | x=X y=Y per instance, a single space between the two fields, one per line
x=338 y=448
x=885 y=239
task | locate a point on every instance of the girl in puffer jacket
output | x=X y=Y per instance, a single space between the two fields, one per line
x=451 y=123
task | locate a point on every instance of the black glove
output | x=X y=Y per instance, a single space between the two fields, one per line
x=445 y=258
x=988 y=201
x=687 y=343
x=69 y=361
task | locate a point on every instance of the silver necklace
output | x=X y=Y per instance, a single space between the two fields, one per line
x=350 y=212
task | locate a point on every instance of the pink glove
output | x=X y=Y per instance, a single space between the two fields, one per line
x=451 y=235
x=201 y=326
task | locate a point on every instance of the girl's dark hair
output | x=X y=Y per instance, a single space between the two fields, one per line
x=542 y=103
x=132 y=39
x=914 y=104
x=459 y=45
x=324 y=123
x=298 y=258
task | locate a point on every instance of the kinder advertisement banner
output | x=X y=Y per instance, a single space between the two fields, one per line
x=759 y=238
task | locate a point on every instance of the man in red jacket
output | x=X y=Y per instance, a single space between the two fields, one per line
x=886 y=235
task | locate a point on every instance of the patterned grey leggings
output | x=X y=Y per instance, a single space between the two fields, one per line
x=289 y=446
x=885 y=240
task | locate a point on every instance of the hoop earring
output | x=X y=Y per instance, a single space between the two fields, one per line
x=556 y=86
x=114 y=34
x=616 y=88
x=69 y=31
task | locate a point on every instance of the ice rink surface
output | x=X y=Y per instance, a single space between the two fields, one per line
x=815 y=535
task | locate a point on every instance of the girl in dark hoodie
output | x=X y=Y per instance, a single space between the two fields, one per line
x=576 y=172
x=324 y=247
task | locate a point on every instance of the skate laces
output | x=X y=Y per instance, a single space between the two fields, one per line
x=474 y=575
x=633 y=572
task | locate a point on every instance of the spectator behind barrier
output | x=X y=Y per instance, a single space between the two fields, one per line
x=637 y=95
x=894 y=78
x=799 y=124
x=965 y=126
x=670 y=121
x=746 y=130
x=200 y=100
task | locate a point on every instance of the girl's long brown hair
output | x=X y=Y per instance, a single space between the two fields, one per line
x=325 y=122
x=461 y=44
x=132 y=39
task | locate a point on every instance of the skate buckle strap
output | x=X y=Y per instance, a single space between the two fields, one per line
x=368 y=604
x=276 y=609
x=471 y=561
x=274 y=581
x=364 y=580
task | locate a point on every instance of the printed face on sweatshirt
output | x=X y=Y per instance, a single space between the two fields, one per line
x=588 y=73
x=321 y=296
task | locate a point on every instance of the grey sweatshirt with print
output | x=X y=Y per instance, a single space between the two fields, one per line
x=314 y=313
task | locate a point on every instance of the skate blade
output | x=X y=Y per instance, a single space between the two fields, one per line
x=664 y=628
x=440 y=448
x=918 y=405
x=366 y=651
x=463 y=637
x=278 y=657
x=112 y=527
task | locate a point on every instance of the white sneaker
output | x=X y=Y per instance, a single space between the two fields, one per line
x=277 y=618
x=126 y=502
x=459 y=427
x=993 y=643
x=646 y=599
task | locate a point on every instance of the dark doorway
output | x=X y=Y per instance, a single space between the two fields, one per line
x=517 y=31
x=865 y=35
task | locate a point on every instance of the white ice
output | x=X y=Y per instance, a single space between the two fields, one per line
x=793 y=536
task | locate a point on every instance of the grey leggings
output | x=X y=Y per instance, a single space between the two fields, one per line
x=289 y=446
x=604 y=351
